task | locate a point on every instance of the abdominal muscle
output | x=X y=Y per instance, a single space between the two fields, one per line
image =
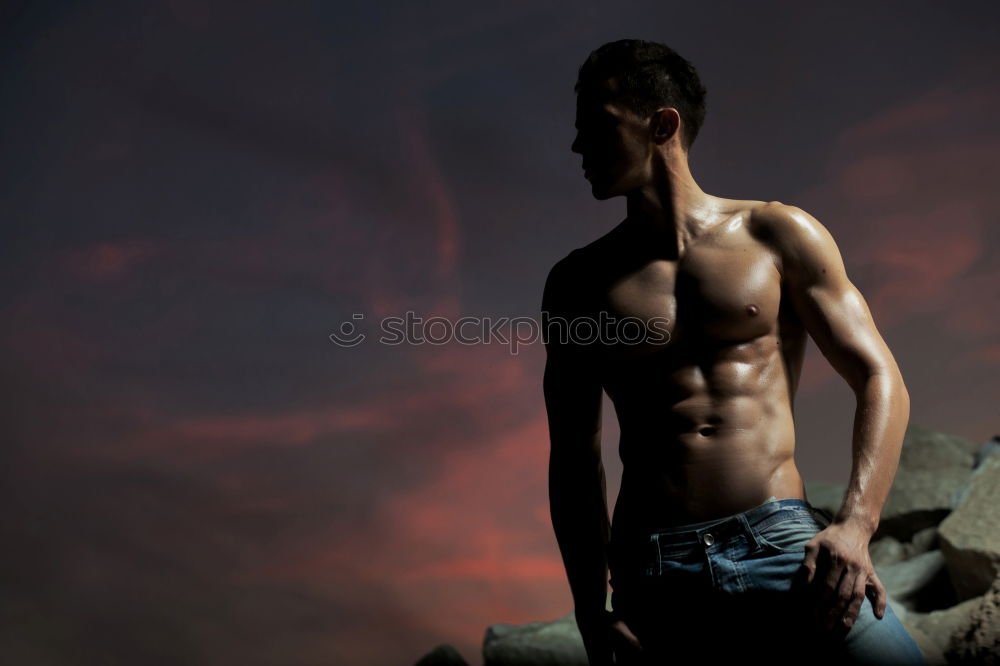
x=692 y=481
x=705 y=458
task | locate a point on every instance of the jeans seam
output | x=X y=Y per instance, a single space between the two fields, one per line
x=763 y=538
x=774 y=520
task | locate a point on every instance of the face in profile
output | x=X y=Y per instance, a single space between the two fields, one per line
x=615 y=144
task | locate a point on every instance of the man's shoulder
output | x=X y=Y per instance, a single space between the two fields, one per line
x=801 y=242
x=782 y=222
x=571 y=281
x=581 y=261
x=788 y=227
x=564 y=275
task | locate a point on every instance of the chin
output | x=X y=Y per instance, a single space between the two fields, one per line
x=601 y=193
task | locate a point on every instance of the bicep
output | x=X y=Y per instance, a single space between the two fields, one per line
x=839 y=321
x=573 y=398
x=832 y=309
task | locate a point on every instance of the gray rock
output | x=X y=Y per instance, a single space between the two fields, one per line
x=977 y=640
x=443 y=655
x=987 y=450
x=886 y=551
x=919 y=583
x=990 y=447
x=970 y=536
x=933 y=467
x=933 y=631
x=556 y=643
x=922 y=541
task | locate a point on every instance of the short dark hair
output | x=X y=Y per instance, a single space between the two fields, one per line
x=649 y=76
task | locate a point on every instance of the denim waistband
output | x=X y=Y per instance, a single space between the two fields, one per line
x=633 y=552
x=759 y=517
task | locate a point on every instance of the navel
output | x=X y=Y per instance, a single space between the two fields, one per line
x=753 y=310
x=707 y=430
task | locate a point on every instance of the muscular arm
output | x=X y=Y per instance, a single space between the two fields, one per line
x=838 y=319
x=577 y=488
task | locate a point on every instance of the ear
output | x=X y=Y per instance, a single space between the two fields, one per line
x=665 y=124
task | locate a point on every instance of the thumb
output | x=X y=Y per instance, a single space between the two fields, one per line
x=809 y=565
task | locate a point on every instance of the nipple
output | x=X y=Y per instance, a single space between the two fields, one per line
x=753 y=310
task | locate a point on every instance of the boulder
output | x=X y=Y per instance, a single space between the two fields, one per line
x=933 y=468
x=920 y=583
x=989 y=448
x=886 y=551
x=977 y=639
x=443 y=655
x=940 y=625
x=923 y=541
x=556 y=643
x=970 y=536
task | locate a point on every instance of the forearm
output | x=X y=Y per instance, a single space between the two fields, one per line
x=883 y=410
x=579 y=509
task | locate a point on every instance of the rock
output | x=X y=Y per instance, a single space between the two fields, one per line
x=922 y=541
x=920 y=583
x=556 y=643
x=989 y=448
x=970 y=535
x=886 y=551
x=933 y=652
x=933 y=467
x=443 y=655
x=977 y=641
x=941 y=625
x=985 y=451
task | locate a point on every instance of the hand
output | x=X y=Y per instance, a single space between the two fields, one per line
x=624 y=644
x=839 y=574
x=607 y=639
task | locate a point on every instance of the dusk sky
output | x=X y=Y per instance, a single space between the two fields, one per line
x=196 y=194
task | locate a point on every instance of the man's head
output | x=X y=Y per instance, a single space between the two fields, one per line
x=634 y=98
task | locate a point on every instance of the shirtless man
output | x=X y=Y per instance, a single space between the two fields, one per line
x=727 y=290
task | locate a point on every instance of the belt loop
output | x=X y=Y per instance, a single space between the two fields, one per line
x=749 y=532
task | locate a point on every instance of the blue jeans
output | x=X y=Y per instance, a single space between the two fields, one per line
x=734 y=588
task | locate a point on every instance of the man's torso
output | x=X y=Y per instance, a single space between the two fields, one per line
x=705 y=417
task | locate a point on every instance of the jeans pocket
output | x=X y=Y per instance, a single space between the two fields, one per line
x=789 y=535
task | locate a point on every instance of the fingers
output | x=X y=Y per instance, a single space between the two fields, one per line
x=829 y=592
x=838 y=600
x=879 y=596
x=624 y=635
x=851 y=616
x=840 y=589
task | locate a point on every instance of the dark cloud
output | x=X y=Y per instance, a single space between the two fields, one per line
x=197 y=194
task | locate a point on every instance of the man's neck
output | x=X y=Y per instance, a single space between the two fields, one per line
x=672 y=209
